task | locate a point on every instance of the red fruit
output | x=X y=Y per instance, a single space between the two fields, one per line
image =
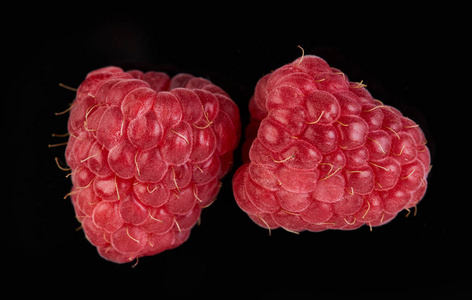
x=323 y=154
x=147 y=153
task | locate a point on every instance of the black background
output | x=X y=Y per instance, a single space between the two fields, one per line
x=409 y=58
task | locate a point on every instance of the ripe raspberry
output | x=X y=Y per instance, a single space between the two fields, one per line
x=147 y=153
x=323 y=154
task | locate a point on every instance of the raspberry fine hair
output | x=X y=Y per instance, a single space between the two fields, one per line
x=147 y=153
x=322 y=153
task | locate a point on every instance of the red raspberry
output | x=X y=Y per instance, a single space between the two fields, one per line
x=323 y=154
x=147 y=153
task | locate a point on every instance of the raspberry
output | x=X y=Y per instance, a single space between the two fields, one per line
x=147 y=153
x=323 y=154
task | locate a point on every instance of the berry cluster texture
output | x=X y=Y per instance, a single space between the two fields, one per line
x=323 y=154
x=147 y=153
